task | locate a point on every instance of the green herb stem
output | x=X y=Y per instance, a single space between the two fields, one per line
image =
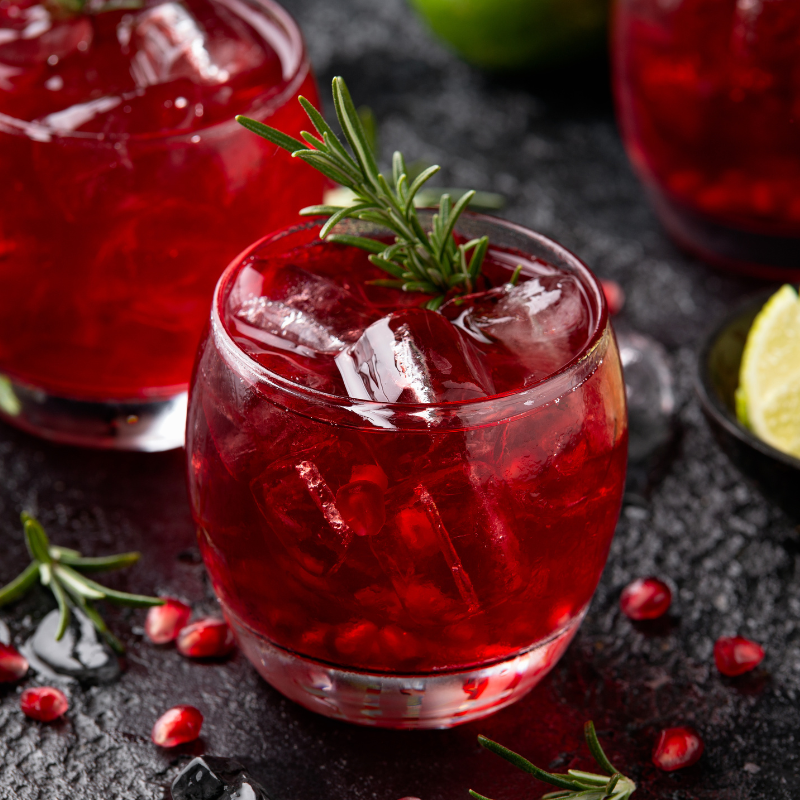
x=575 y=784
x=59 y=569
x=431 y=262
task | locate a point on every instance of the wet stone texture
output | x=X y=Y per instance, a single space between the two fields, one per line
x=549 y=144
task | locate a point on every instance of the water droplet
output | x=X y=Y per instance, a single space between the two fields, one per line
x=81 y=654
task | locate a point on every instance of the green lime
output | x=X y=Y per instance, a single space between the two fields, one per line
x=506 y=34
x=768 y=397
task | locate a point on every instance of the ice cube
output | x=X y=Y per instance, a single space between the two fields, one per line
x=301 y=509
x=542 y=323
x=168 y=43
x=414 y=356
x=214 y=778
x=295 y=310
x=300 y=497
x=448 y=548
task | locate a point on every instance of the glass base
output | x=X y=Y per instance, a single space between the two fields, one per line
x=432 y=700
x=767 y=256
x=144 y=425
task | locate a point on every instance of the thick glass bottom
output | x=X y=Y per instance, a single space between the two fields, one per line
x=432 y=700
x=144 y=425
x=772 y=257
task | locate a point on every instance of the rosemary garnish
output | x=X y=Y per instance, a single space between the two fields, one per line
x=94 y=6
x=418 y=261
x=574 y=783
x=60 y=569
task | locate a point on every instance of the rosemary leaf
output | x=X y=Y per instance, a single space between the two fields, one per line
x=36 y=539
x=100 y=625
x=478 y=796
x=77 y=584
x=523 y=764
x=20 y=585
x=343 y=213
x=123 y=598
x=353 y=129
x=371 y=245
x=417 y=185
x=63 y=608
x=458 y=209
x=102 y=563
x=596 y=750
x=273 y=135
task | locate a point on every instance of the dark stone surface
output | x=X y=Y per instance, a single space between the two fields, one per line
x=549 y=143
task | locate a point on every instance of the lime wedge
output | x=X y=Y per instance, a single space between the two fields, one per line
x=768 y=397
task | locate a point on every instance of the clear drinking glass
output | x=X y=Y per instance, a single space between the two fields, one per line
x=124 y=184
x=708 y=96
x=404 y=564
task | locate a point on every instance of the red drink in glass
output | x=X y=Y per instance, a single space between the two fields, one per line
x=405 y=513
x=124 y=184
x=708 y=96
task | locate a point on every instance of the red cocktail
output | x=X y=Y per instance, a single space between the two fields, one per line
x=708 y=96
x=124 y=184
x=404 y=512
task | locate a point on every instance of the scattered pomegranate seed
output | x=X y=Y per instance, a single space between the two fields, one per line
x=735 y=655
x=178 y=725
x=164 y=623
x=44 y=703
x=13 y=665
x=645 y=598
x=206 y=638
x=677 y=748
x=615 y=296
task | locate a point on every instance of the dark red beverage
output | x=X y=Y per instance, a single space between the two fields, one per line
x=125 y=183
x=385 y=491
x=708 y=96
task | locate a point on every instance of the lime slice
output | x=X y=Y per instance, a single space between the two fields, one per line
x=768 y=397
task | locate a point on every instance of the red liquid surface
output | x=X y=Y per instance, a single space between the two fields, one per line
x=394 y=547
x=132 y=187
x=708 y=97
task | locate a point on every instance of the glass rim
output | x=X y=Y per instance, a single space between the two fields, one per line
x=290 y=31
x=376 y=413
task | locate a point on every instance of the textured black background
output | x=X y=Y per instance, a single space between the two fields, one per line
x=549 y=143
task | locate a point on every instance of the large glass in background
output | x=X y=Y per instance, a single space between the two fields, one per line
x=125 y=184
x=405 y=513
x=708 y=100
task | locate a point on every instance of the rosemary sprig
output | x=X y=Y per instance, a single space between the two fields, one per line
x=417 y=260
x=93 y=6
x=60 y=568
x=575 y=783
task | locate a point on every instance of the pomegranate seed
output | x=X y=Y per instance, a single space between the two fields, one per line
x=178 y=725
x=645 y=598
x=362 y=507
x=677 y=748
x=164 y=623
x=13 y=665
x=735 y=655
x=44 y=703
x=206 y=638
x=370 y=472
x=615 y=296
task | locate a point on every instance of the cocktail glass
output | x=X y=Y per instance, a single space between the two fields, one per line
x=405 y=564
x=707 y=98
x=119 y=207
